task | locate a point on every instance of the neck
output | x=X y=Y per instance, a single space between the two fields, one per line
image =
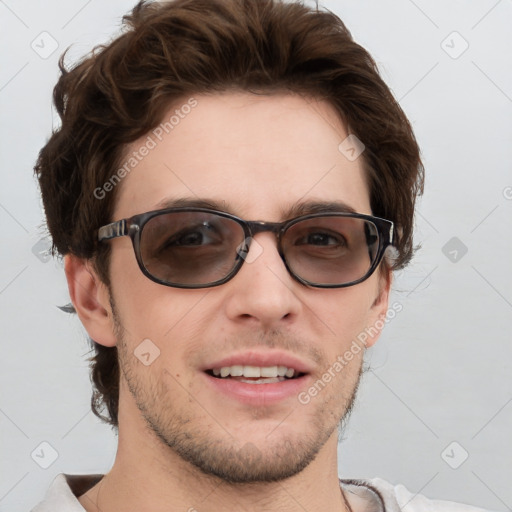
x=148 y=475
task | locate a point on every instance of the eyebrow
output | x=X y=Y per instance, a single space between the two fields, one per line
x=310 y=207
x=295 y=210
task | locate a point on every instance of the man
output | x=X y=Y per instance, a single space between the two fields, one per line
x=232 y=186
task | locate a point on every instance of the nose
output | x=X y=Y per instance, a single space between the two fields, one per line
x=263 y=293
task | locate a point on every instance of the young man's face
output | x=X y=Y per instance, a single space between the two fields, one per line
x=257 y=157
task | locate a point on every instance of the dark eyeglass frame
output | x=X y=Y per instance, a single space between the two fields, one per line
x=133 y=227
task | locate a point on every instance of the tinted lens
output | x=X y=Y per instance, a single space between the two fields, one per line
x=190 y=248
x=331 y=250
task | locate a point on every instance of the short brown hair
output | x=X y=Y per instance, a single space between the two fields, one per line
x=171 y=50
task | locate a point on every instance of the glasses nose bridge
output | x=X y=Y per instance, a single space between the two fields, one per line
x=255 y=227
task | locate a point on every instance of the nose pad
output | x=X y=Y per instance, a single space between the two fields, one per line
x=249 y=250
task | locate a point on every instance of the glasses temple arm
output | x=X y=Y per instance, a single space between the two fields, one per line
x=113 y=230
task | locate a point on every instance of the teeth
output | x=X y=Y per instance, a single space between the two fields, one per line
x=265 y=380
x=267 y=372
x=281 y=371
x=289 y=373
x=249 y=371
x=236 y=371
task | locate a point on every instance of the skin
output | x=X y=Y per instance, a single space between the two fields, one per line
x=256 y=157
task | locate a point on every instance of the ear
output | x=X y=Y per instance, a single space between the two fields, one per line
x=90 y=297
x=379 y=307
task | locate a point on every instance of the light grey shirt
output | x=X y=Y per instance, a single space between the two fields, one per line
x=374 y=495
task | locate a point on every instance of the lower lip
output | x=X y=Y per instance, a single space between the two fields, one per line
x=258 y=394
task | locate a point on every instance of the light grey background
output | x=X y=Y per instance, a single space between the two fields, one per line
x=441 y=371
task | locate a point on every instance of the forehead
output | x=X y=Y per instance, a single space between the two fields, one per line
x=258 y=155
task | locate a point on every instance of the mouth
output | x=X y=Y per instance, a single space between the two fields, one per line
x=258 y=379
x=255 y=374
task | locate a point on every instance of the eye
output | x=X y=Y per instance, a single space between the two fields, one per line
x=194 y=236
x=321 y=239
x=189 y=238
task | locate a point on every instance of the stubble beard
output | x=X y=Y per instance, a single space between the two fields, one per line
x=222 y=456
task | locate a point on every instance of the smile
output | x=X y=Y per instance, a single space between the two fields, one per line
x=258 y=379
x=255 y=374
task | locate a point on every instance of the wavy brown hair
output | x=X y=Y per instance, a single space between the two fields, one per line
x=171 y=50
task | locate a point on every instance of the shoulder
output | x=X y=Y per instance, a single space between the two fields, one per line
x=63 y=493
x=396 y=498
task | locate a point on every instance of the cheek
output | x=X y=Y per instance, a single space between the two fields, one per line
x=345 y=314
x=147 y=309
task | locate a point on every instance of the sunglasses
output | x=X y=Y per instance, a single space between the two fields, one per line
x=201 y=248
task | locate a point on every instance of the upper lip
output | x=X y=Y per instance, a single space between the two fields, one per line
x=262 y=359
